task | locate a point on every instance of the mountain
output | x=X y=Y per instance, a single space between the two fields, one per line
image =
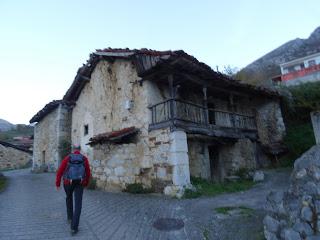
x=5 y=125
x=263 y=69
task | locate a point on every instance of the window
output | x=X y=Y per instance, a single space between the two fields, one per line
x=86 y=129
x=311 y=63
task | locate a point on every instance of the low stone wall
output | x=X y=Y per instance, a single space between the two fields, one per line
x=146 y=161
x=11 y=158
x=158 y=160
x=295 y=214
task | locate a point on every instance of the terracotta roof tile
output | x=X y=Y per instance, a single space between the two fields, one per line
x=113 y=136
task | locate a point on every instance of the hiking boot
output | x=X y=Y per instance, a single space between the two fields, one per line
x=74 y=231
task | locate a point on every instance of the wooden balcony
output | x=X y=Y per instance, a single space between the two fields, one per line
x=197 y=119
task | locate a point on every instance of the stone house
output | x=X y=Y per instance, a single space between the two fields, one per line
x=13 y=157
x=157 y=118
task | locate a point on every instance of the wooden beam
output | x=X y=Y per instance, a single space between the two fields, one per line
x=207 y=83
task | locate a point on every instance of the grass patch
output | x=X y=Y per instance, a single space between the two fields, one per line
x=242 y=210
x=3 y=183
x=137 y=188
x=207 y=188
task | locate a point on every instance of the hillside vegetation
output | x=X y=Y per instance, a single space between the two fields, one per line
x=298 y=102
x=20 y=130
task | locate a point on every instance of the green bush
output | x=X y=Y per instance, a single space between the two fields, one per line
x=299 y=101
x=92 y=184
x=3 y=182
x=297 y=104
x=137 y=188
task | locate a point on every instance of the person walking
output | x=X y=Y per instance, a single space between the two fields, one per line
x=75 y=171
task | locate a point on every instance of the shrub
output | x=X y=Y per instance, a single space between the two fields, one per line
x=3 y=182
x=92 y=184
x=297 y=104
x=137 y=188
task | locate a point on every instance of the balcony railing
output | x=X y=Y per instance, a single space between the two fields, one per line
x=300 y=73
x=173 y=109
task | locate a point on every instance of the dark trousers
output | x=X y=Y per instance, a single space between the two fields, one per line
x=77 y=189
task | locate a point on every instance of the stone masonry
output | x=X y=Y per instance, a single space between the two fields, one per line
x=109 y=95
x=11 y=158
x=295 y=214
x=51 y=140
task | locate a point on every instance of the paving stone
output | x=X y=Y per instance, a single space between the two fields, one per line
x=30 y=208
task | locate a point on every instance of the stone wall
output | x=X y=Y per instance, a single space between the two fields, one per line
x=236 y=156
x=144 y=161
x=295 y=214
x=271 y=128
x=154 y=158
x=101 y=104
x=156 y=161
x=315 y=118
x=51 y=138
x=199 y=159
x=230 y=158
x=11 y=158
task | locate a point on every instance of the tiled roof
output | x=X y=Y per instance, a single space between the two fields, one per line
x=48 y=108
x=113 y=136
x=147 y=60
x=5 y=144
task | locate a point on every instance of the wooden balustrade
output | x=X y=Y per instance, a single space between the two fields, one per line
x=174 y=109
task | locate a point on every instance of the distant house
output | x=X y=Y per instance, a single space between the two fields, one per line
x=301 y=70
x=23 y=141
x=157 y=118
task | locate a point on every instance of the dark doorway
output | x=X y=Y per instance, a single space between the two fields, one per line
x=212 y=117
x=214 y=162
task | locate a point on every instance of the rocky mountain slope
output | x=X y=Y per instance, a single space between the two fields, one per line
x=260 y=71
x=5 y=125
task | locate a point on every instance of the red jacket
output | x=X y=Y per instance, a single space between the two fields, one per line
x=63 y=167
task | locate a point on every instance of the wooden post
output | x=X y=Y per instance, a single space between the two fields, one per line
x=172 y=97
x=232 y=110
x=205 y=104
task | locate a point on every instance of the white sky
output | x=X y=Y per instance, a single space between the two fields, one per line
x=43 y=43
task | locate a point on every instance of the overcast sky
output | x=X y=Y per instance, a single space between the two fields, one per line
x=43 y=43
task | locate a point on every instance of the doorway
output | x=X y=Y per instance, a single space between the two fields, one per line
x=211 y=113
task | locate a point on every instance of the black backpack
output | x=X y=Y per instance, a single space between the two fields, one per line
x=75 y=169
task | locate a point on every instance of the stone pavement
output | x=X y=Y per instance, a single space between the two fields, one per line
x=30 y=208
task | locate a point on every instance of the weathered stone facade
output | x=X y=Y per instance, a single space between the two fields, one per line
x=110 y=94
x=51 y=139
x=12 y=158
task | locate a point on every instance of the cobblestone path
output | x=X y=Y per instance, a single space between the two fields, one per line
x=30 y=208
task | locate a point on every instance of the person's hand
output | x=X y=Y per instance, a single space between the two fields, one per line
x=57 y=188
